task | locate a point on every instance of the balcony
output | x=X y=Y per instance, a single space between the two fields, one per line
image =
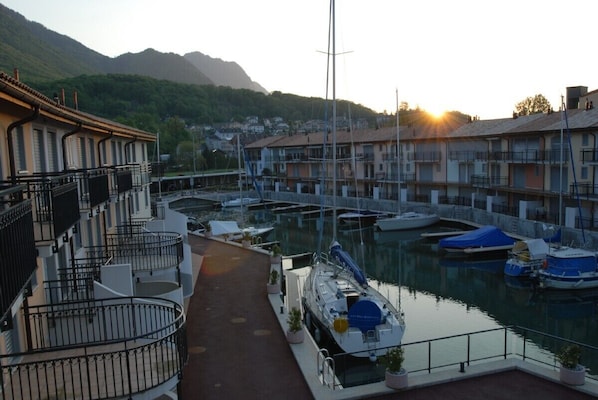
x=93 y=188
x=110 y=348
x=17 y=248
x=55 y=202
x=426 y=156
x=532 y=156
x=484 y=181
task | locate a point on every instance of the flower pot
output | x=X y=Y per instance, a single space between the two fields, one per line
x=273 y=288
x=575 y=376
x=296 y=337
x=275 y=259
x=396 y=380
x=246 y=243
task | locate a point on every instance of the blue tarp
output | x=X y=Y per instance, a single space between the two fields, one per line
x=486 y=236
x=365 y=315
x=344 y=259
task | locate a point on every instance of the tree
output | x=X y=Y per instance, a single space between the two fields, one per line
x=533 y=105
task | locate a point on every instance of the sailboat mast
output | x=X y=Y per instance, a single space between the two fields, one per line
x=333 y=122
x=398 y=157
x=240 y=182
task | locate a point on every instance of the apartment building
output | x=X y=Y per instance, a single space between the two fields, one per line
x=542 y=167
x=91 y=285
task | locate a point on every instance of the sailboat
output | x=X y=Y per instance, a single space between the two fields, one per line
x=410 y=219
x=337 y=299
x=567 y=267
x=240 y=201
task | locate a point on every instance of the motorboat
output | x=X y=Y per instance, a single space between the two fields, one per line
x=338 y=300
x=240 y=201
x=230 y=230
x=407 y=220
x=525 y=257
x=568 y=268
x=485 y=239
x=362 y=218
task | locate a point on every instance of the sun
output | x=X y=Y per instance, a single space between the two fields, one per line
x=436 y=112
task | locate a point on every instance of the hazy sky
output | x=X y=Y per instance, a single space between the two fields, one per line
x=477 y=57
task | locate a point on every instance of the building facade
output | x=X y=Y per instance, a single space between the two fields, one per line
x=541 y=166
x=91 y=294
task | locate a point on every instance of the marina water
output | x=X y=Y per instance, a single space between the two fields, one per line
x=439 y=296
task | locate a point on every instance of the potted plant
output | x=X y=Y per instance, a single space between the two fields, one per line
x=395 y=375
x=295 y=333
x=571 y=372
x=246 y=240
x=208 y=231
x=276 y=256
x=273 y=285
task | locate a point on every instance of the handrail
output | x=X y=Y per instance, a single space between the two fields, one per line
x=421 y=356
x=115 y=368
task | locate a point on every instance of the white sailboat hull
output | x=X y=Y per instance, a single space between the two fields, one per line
x=409 y=220
x=334 y=300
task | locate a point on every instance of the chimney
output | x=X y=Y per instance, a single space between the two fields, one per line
x=15 y=73
x=62 y=98
x=75 y=100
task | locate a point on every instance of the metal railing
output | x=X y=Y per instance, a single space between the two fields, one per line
x=455 y=351
x=111 y=348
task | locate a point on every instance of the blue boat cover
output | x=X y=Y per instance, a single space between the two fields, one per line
x=365 y=315
x=345 y=260
x=486 y=236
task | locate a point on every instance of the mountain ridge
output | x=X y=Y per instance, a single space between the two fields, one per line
x=41 y=54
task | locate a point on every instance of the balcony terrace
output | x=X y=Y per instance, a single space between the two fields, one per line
x=110 y=348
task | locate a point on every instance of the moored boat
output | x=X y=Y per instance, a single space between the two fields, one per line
x=362 y=218
x=568 y=268
x=485 y=239
x=338 y=300
x=231 y=231
x=526 y=257
x=240 y=201
x=407 y=220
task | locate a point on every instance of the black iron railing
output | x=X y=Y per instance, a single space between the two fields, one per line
x=460 y=351
x=113 y=348
x=55 y=202
x=17 y=248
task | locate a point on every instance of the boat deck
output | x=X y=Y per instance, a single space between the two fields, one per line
x=238 y=348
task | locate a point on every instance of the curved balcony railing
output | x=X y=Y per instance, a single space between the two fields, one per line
x=103 y=349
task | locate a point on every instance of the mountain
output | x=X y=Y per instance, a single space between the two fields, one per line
x=223 y=73
x=43 y=55
x=154 y=64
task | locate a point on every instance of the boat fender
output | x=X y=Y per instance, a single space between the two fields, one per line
x=544 y=264
x=341 y=325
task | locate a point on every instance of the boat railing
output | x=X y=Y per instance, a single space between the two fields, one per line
x=462 y=350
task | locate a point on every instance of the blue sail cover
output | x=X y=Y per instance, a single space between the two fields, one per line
x=365 y=315
x=486 y=236
x=344 y=259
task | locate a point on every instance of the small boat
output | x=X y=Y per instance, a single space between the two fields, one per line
x=407 y=220
x=526 y=257
x=231 y=231
x=568 y=268
x=241 y=201
x=361 y=218
x=485 y=239
x=338 y=300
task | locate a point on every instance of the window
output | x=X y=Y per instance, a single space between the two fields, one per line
x=584 y=172
x=585 y=140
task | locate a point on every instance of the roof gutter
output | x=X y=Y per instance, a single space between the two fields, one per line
x=63 y=140
x=11 y=152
